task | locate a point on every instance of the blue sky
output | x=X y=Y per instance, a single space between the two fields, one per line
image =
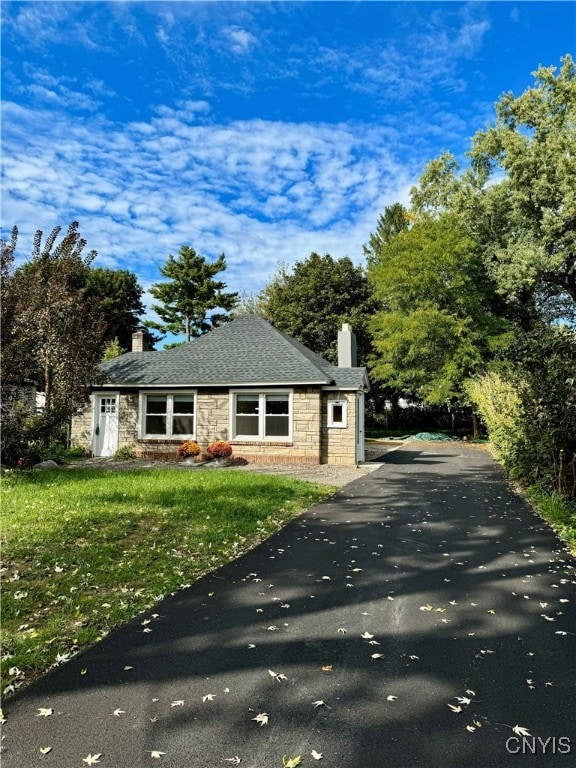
x=264 y=130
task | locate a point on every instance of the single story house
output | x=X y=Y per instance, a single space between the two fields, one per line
x=245 y=382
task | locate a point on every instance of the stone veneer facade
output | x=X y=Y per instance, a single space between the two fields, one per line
x=338 y=445
x=312 y=441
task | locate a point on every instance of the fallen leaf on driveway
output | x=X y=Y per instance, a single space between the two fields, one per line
x=391 y=698
x=45 y=750
x=45 y=711
x=261 y=718
x=292 y=763
x=156 y=753
x=118 y=712
x=317 y=755
x=92 y=759
x=521 y=731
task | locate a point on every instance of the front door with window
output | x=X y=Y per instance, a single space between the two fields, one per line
x=105 y=438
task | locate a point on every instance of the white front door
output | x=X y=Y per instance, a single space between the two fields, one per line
x=105 y=438
x=359 y=427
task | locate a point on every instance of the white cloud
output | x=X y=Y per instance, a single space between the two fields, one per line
x=410 y=66
x=259 y=191
x=46 y=23
x=162 y=35
x=241 y=41
x=63 y=97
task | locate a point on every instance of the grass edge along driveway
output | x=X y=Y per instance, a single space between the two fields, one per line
x=85 y=550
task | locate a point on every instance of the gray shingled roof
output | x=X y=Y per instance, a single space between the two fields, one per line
x=248 y=350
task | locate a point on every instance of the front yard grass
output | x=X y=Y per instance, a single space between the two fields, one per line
x=85 y=550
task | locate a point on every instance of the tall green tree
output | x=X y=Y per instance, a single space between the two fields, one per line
x=534 y=143
x=119 y=297
x=311 y=301
x=436 y=325
x=518 y=197
x=190 y=296
x=395 y=219
x=517 y=201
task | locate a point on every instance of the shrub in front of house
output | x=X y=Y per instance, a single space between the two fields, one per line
x=126 y=453
x=219 y=450
x=188 y=448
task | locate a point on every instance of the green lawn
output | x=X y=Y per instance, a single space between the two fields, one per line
x=84 y=550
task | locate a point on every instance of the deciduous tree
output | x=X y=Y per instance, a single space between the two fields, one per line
x=517 y=199
x=52 y=334
x=436 y=325
x=534 y=143
x=119 y=297
x=311 y=301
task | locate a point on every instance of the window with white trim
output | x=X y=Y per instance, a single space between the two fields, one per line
x=338 y=414
x=168 y=415
x=262 y=415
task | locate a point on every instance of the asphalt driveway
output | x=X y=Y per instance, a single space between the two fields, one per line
x=423 y=616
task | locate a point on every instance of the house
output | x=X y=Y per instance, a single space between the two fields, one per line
x=245 y=382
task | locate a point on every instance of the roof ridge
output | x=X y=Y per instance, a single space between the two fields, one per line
x=247 y=350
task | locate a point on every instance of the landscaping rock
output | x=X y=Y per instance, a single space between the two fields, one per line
x=49 y=464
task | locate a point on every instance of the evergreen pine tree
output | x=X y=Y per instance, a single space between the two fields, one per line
x=189 y=296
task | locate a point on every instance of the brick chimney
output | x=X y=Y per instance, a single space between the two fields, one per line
x=139 y=342
x=347 y=347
